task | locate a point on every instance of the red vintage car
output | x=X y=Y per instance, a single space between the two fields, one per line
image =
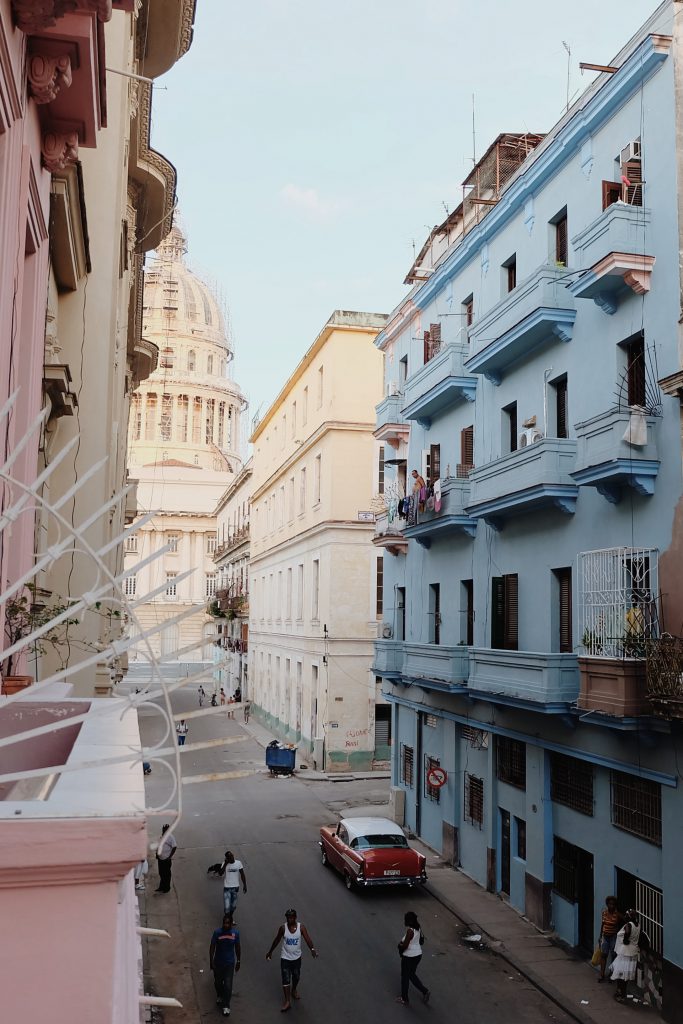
x=371 y=851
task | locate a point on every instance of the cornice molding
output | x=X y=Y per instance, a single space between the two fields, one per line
x=32 y=16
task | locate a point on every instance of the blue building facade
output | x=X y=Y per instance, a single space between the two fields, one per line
x=533 y=588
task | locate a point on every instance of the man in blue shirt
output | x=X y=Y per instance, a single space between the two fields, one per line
x=224 y=959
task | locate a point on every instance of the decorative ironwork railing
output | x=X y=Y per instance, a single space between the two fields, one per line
x=664 y=674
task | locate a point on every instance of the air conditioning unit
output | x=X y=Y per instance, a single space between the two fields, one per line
x=387 y=631
x=393 y=388
x=529 y=436
x=631 y=152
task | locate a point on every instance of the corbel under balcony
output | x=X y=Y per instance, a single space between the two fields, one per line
x=612 y=278
x=31 y=17
x=538 y=327
x=57 y=387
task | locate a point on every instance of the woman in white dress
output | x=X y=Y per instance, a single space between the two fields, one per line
x=625 y=964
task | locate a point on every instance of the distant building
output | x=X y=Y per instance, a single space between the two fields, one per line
x=231 y=605
x=183 y=447
x=532 y=645
x=315 y=579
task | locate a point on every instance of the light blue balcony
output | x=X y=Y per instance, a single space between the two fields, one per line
x=535 y=477
x=388 y=659
x=439 y=385
x=607 y=461
x=434 y=667
x=391 y=425
x=390 y=535
x=539 y=311
x=527 y=677
x=611 y=252
x=452 y=518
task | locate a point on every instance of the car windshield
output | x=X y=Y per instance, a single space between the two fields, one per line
x=379 y=842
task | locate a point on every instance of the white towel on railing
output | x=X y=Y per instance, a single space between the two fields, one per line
x=636 y=431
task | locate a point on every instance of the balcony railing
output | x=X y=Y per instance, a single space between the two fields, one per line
x=664 y=675
x=434 y=666
x=391 y=425
x=536 y=677
x=230 y=542
x=390 y=535
x=611 y=252
x=451 y=518
x=439 y=384
x=607 y=461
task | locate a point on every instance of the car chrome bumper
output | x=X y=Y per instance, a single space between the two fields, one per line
x=390 y=881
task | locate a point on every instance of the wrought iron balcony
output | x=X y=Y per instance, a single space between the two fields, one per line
x=530 y=676
x=664 y=675
x=232 y=541
x=452 y=517
x=538 y=312
x=605 y=459
x=537 y=476
x=439 y=384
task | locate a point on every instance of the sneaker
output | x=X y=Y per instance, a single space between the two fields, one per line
x=226 y=1011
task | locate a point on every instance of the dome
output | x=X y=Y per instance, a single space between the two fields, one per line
x=176 y=298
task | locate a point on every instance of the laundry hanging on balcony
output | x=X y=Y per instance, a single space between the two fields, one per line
x=636 y=431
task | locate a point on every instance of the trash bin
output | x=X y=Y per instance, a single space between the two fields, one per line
x=280 y=760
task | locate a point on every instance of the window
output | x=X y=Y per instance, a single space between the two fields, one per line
x=380 y=470
x=432 y=793
x=510 y=274
x=635 y=369
x=166 y=415
x=300 y=591
x=315 y=597
x=467 y=611
x=571 y=783
x=289 y=595
x=220 y=439
x=136 y=417
x=320 y=386
x=637 y=806
x=171 y=589
x=565 y=869
x=379 y=586
x=183 y=416
x=210 y=585
x=302 y=491
x=400 y=613
x=478 y=739
x=129 y=586
x=196 y=421
x=210 y=406
x=561 y=240
x=504 y=612
x=382 y=725
x=468 y=310
x=211 y=541
x=474 y=800
x=317 y=474
x=402 y=371
x=209 y=365
x=291 y=498
x=631 y=173
x=283 y=432
x=150 y=416
x=510 y=428
x=131 y=543
x=434 y=470
x=304 y=406
x=172 y=541
x=511 y=761
x=293 y=419
x=191 y=360
x=407 y=765
x=560 y=389
x=434 y=613
x=466 y=464
x=431 y=342
x=167 y=358
x=564 y=609
x=520 y=831
x=431 y=721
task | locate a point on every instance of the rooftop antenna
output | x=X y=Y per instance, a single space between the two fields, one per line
x=569 y=67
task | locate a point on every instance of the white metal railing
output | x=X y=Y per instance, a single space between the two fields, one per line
x=618 y=594
x=650 y=907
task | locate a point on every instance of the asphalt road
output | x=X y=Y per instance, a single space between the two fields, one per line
x=272 y=826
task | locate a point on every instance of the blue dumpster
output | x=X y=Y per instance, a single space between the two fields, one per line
x=280 y=760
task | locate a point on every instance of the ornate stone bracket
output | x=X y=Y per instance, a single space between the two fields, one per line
x=59 y=149
x=32 y=16
x=47 y=75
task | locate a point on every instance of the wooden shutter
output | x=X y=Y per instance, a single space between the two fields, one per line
x=511 y=612
x=636 y=371
x=434 y=463
x=512 y=421
x=426 y=347
x=512 y=275
x=466 y=450
x=561 y=400
x=611 y=193
x=561 y=241
x=564 y=579
x=469 y=312
x=469 y=611
x=634 y=191
x=497 y=612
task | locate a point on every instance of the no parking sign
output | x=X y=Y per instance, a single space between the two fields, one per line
x=437 y=777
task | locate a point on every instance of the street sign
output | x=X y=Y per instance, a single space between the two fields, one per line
x=366 y=517
x=437 y=777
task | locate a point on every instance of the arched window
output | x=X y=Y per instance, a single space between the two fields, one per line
x=191 y=360
x=209 y=364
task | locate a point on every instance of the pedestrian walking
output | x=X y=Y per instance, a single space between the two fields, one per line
x=214 y=702
x=222 y=696
x=182 y=730
x=290 y=935
x=225 y=954
x=247 y=710
x=141 y=869
x=610 y=924
x=165 y=854
x=233 y=872
x=410 y=951
x=201 y=693
x=627 y=949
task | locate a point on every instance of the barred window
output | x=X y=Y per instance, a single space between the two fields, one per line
x=571 y=783
x=637 y=806
x=511 y=761
x=477 y=738
x=474 y=800
x=407 y=765
x=131 y=543
x=432 y=793
x=129 y=586
x=565 y=869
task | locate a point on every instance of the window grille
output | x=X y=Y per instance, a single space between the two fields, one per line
x=637 y=806
x=129 y=586
x=650 y=906
x=432 y=793
x=477 y=738
x=474 y=800
x=431 y=720
x=132 y=543
x=618 y=590
x=407 y=765
x=571 y=783
x=511 y=761
x=565 y=869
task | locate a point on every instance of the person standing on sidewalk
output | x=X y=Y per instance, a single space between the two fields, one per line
x=290 y=935
x=410 y=951
x=246 y=711
x=233 y=872
x=165 y=853
x=225 y=954
x=609 y=926
x=627 y=948
x=182 y=730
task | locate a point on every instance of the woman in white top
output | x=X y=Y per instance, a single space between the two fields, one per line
x=627 y=950
x=410 y=951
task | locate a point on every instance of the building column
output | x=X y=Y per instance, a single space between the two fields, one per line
x=538 y=879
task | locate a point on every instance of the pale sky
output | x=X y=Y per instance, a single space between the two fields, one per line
x=314 y=141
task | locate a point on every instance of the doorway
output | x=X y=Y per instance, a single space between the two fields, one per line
x=585 y=898
x=505 y=852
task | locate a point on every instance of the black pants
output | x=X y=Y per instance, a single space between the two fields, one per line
x=409 y=966
x=164 y=874
x=222 y=980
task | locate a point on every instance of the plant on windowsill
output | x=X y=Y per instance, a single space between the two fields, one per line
x=23 y=615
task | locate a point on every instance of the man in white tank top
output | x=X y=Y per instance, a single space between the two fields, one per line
x=290 y=935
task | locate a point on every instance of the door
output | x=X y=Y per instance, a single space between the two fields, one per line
x=585 y=899
x=505 y=851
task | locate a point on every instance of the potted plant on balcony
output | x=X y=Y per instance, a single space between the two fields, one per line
x=25 y=613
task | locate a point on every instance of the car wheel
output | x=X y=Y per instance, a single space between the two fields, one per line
x=348 y=881
x=323 y=857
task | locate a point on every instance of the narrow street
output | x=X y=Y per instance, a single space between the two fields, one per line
x=272 y=826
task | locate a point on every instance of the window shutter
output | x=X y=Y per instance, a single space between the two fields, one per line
x=561 y=397
x=564 y=577
x=434 y=463
x=497 y=612
x=634 y=191
x=467 y=448
x=611 y=193
x=435 y=335
x=424 y=464
x=561 y=241
x=636 y=372
x=426 y=347
x=511 y=612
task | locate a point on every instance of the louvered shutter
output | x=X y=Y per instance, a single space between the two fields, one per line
x=636 y=372
x=634 y=191
x=497 y=612
x=561 y=397
x=426 y=347
x=564 y=577
x=611 y=193
x=434 y=462
x=561 y=241
x=511 y=612
x=466 y=450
